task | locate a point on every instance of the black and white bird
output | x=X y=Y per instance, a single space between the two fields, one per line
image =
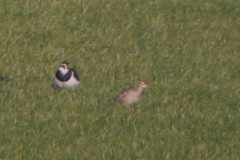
x=66 y=77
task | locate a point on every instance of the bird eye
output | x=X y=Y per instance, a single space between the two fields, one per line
x=64 y=66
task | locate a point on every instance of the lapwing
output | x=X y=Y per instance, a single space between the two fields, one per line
x=66 y=77
x=131 y=95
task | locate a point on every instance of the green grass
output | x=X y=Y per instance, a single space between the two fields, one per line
x=188 y=52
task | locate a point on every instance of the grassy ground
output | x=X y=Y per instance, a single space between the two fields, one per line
x=188 y=52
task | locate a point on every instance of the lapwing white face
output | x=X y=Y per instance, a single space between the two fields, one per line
x=63 y=67
x=143 y=84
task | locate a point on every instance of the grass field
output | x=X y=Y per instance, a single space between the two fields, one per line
x=188 y=52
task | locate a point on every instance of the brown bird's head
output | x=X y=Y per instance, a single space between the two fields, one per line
x=143 y=84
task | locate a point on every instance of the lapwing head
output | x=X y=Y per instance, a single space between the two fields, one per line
x=143 y=84
x=63 y=67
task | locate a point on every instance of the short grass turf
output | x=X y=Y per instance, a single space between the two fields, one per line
x=188 y=52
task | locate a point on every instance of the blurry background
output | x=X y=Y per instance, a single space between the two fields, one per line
x=188 y=52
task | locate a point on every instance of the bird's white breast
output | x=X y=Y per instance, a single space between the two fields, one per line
x=71 y=83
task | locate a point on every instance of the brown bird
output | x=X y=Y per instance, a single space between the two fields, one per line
x=131 y=95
